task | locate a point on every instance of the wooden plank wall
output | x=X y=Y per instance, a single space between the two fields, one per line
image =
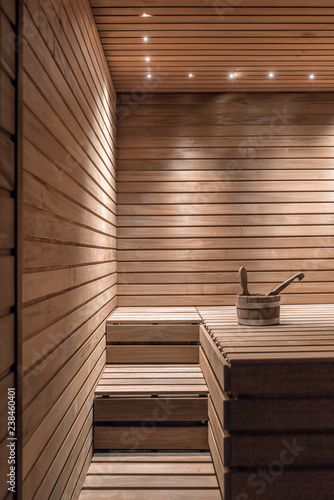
x=7 y=224
x=208 y=182
x=69 y=280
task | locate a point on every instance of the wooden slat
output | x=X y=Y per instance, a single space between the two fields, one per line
x=165 y=467
x=7 y=341
x=152 y=333
x=284 y=421
x=215 y=390
x=299 y=414
x=291 y=484
x=146 y=370
x=150 y=468
x=6 y=382
x=215 y=358
x=156 y=481
x=6 y=162
x=200 y=195
x=69 y=280
x=163 y=438
x=141 y=377
x=9 y=274
x=147 y=315
x=7 y=114
x=163 y=409
x=198 y=37
x=152 y=494
x=217 y=462
x=277 y=357
x=151 y=379
x=151 y=389
x=156 y=381
x=166 y=457
x=251 y=449
x=42 y=455
x=291 y=358
x=7 y=287
x=258 y=450
x=152 y=354
x=7 y=54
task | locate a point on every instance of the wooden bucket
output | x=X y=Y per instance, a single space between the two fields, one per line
x=258 y=310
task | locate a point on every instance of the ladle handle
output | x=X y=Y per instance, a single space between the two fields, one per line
x=243 y=280
x=286 y=283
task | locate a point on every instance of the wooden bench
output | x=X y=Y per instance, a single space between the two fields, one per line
x=271 y=402
x=153 y=335
x=152 y=394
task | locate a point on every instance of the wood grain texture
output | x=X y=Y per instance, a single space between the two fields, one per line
x=148 y=436
x=152 y=354
x=279 y=416
x=160 y=476
x=209 y=182
x=8 y=265
x=212 y=39
x=153 y=335
x=69 y=278
x=292 y=484
x=168 y=379
x=162 y=408
x=287 y=362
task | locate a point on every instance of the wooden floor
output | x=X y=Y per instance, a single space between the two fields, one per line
x=151 y=476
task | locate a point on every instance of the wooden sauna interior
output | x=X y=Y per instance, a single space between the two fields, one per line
x=150 y=148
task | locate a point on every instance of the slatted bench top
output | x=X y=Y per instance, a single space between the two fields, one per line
x=148 y=380
x=149 y=315
x=158 y=476
x=305 y=332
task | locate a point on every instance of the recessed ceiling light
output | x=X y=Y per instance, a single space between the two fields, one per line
x=312 y=76
x=271 y=75
x=145 y=38
x=147 y=59
x=231 y=76
x=145 y=15
x=190 y=75
x=149 y=76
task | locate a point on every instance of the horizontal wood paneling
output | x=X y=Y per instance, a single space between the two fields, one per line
x=212 y=39
x=69 y=259
x=210 y=182
x=8 y=103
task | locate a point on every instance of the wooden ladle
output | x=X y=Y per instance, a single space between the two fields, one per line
x=286 y=283
x=243 y=280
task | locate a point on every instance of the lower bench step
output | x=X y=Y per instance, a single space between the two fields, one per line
x=159 y=409
x=149 y=436
x=151 y=476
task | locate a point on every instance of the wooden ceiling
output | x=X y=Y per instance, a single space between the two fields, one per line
x=212 y=39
